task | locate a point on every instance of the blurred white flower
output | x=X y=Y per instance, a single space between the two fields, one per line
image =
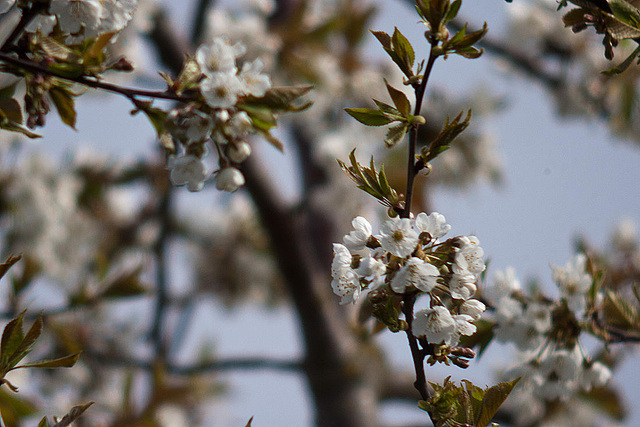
x=574 y=282
x=504 y=284
x=221 y=90
x=254 y=82
x=238 y=151
x=189 y=170
x=219 y=56
x=229 y=179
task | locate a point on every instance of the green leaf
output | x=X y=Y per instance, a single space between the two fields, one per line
x=12 y=126
x=402 y=47
x=624 y=64
x=383 y=38
x=249 y=422
x=24 y=347
x=62 y=362
x=452 y=12
x=14 y=408
x=275 y=142
x=73 y=415
x=63 y=100
x=44 y=422
x=11 y=109
x=4 y=267
x=8 y=91
x=625 y=12
x=395 y=134
x=493 y=399
x=399 y=99
x=12 y=336
x=620 y=312
x=368 y=116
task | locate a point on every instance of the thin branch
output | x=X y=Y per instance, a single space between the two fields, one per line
x=131 y=93
x=227 y=364
x=413 y=134
x=417 y=355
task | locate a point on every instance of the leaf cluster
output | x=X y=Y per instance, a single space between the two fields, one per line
x=442 y=142
x=615 y=19
x=373 y=182
x=386 y=114
x=16 y=345
x=437 y=14
x=465 y=405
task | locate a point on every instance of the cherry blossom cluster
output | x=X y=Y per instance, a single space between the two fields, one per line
x=546 y=332
x=221 y=84
x=407 y=257
x=81 y=20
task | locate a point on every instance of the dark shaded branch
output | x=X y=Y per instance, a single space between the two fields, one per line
x=160 y=253
x=199 y=20
x=170 y=47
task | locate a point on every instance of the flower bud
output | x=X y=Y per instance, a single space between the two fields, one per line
x=229 y=179
x=238 y=152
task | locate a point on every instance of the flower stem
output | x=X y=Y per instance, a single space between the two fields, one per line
x=412 y=171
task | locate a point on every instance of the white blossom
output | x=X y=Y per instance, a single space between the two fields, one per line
x=434 y=224
x=345 y=283
x=76 y=15
x=596 y=375
x=372 y=269
x=189 y=170
x=416 y=273
x=229 y=179
x=190 y=126
x=398 y=237
x=116 y=14
x=473 y=308
x=560 y=372
x=238 y=124
x=254 y=82
x=469 y=256
x=435 y=324
x=221 y=90
x=464 y=326
x=219 y=56
x=504 y=284
x=574 y=282
x=357 y=239
x=462 y=286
